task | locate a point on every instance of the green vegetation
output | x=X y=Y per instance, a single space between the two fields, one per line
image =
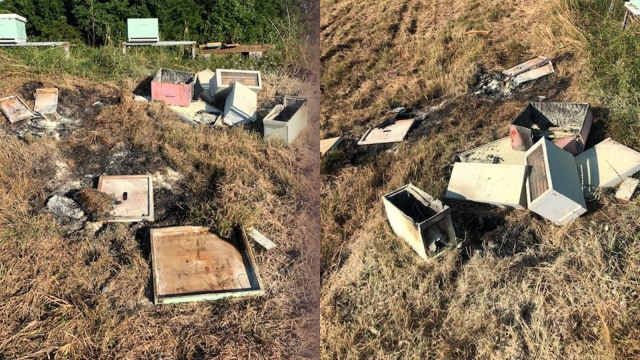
x=97 y=22
x=614 y=65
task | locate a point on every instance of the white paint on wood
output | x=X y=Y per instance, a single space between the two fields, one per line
x=527 y=65
x=395 y=132
x=626 y=189
x=496 y=184
x=607 y=164
x=535 y=73
x=258 y=237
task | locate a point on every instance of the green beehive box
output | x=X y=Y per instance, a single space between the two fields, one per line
x=636 y=3
x=12 y=29
x=142 y=30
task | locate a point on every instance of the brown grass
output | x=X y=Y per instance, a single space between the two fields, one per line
x=86 y=294
x=519 y=287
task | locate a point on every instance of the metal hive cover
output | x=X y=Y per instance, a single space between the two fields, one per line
x=190 y=263
x=133 y=194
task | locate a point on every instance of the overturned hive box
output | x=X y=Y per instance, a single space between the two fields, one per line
x=285 y=122
x=190 y=263
x=420 y=220
x=173 y=87
x=241 y=105
x=566 y=124
x=553 y=185
x=12 y=29
x=143 y=30
x=133 y=195
x=220 y=84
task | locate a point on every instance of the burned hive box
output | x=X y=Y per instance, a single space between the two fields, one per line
x=420 y=220
x=285 y=122
x=553 y=184
x=220 y=83
x=566 y=124
x=173 y=87
x=190 y=263
x=133 y=195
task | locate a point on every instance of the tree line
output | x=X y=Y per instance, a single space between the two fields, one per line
x=99 y=22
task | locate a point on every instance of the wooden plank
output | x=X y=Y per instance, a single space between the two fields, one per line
x=236 y=50
x=388 y=134
x=46 y=101
x=246 y=78
x=327 y=145
x=527 y=65
x=133 y=194
x=626 y=190
x=607 y=164
x=264 y=241
x=15 y=109
x=496 y=184
x=535 y=73
x=190 y=263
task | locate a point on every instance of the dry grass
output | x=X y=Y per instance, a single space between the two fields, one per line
x=86 y=294
x=519 y=287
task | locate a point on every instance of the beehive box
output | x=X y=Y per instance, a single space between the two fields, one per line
x=220 y=83
x=285 y=122
x=553 y=185
x=241 y=105
x=635 y=3
x=12 y=29
x=567 y=124
x=173 y=87
x=143 y=30
x=190 y=263
x=420 y=220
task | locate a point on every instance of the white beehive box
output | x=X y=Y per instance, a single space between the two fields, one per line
x=143 y=30
x=420 y=220
x=12 y=29
x=286 y=121
x=553 y=185
x=220 y=83
x=241 y=105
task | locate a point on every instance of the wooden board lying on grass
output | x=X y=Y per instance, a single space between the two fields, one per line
x=190 y=263
x=46 y=101
x=390 y=133
x=15 y=109
x=133 y=194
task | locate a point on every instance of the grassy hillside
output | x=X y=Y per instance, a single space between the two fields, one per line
x=86 y=293
x=519 y=287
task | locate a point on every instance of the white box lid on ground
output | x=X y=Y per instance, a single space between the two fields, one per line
x=606 y=164
x=496 y=184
